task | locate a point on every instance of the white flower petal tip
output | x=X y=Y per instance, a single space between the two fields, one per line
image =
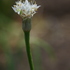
x=25 y=9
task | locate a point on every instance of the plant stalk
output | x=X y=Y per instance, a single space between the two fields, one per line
x=27 y=39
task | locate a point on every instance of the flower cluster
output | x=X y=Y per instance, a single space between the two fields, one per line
x=25 y=9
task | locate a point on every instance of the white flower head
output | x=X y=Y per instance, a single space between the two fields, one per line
x=25 y=9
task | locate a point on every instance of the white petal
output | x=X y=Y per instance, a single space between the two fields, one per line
x=26 y=8
x=14 y=9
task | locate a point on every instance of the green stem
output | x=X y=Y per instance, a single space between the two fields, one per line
x=27 y=38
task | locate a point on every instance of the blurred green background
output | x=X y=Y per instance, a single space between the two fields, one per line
x=49 y=38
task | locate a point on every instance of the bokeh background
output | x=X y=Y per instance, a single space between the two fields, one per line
x=49 y=38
